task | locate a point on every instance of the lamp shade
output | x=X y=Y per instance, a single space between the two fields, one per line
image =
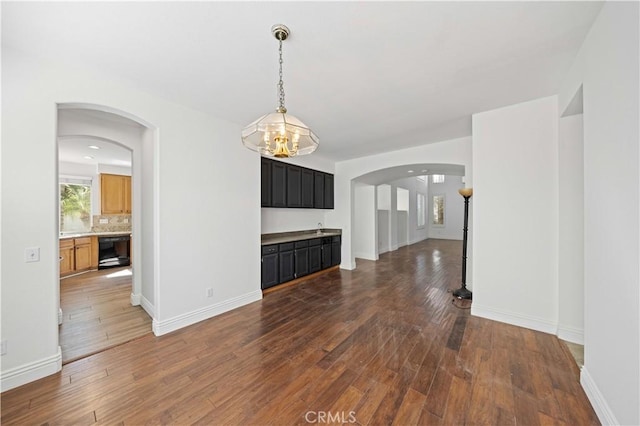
x=466 y=192
x=279 y=134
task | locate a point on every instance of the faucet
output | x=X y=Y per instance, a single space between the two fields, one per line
x=319 y=228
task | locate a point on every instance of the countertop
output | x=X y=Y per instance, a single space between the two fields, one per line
x=94 y=234
x=287 y=237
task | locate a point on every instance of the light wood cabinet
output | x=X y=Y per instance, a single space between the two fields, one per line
x=76 y=255
x=115 y=194
x=67 y=257
x=83 y=253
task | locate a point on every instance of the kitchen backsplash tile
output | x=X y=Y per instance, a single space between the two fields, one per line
x=114 y=222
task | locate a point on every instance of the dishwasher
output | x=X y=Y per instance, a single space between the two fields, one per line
x=114 y=251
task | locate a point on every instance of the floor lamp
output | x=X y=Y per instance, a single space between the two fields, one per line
x=462 y=292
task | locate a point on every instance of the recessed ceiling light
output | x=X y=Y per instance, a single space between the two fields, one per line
x=409 y=171
x=94 y=147
x=88 y=157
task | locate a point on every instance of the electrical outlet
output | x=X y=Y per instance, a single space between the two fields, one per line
x=104 y=221
x=3 y=347
x=126 y=220
x=209 y=292
x=32 y=254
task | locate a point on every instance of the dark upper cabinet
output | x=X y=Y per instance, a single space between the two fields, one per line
x=286 y=185
x=294 y=179
x=278 y=184
x=306 y=188
x=318 y=190
x=265 y=166
x=328 y=191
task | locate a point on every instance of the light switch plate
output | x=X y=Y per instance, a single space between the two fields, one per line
x=32 y=254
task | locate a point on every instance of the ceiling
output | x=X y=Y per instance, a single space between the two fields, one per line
x=367 y=77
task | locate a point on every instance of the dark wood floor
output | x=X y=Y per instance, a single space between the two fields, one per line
x=379 y=345
x=97 y=313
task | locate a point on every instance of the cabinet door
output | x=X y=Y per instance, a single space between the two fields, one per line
x=318 y=190
x=335 y=251
x=67 y=257
x=270 y=275
x=111 y=194
x=83 y=257
x=278 y=184
x=286 y=263
x=126 y=194
x=326 y=254
x=302 y=262
x=315 y=258
x=293 y=186
x=265 y=182
x=306 y=188
x=328 y=191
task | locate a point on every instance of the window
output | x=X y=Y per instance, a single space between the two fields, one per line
x=438 y=210
x=437 y=178
x=75 y=205
x=421 y=210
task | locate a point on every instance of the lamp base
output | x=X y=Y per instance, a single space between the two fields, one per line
x=462 y=293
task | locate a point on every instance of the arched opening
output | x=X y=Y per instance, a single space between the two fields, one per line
x=116 y=134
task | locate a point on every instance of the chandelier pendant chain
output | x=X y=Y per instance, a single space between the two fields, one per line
x=280 y=83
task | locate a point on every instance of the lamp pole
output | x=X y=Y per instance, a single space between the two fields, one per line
x=462 y=292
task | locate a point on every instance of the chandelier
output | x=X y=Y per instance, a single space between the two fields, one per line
x=278 y=134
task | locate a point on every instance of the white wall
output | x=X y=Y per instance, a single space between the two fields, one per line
x=384 y=197
x=285 y=220
x=197 y=244
x=412 y=186
x=515 y=219
x=571 y=230
x=365 y=223
x=453 y=208
x=607 y=68
x=383 y=231
x=455 y=151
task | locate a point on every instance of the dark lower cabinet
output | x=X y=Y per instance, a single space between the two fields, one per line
x=270 y=274
x=315 y=255
x=301 y=254
x=326 y=253
x=336 y=252
x=286 y=262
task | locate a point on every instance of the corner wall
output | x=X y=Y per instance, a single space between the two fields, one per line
x=515 y=220
x=607 y=67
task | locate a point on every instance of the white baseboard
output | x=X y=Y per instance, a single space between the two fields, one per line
x=147 y=306
x=383 y=249
x=366 y=256
x=393 y=247
x=135 y=299
x=571 y=334
x=599 y=403
x=190 y=318
x=30 y=372
x=513 y=318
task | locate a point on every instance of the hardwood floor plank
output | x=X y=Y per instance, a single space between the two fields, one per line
x=383 y=341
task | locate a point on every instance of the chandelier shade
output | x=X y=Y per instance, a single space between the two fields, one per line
x=278 y=134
